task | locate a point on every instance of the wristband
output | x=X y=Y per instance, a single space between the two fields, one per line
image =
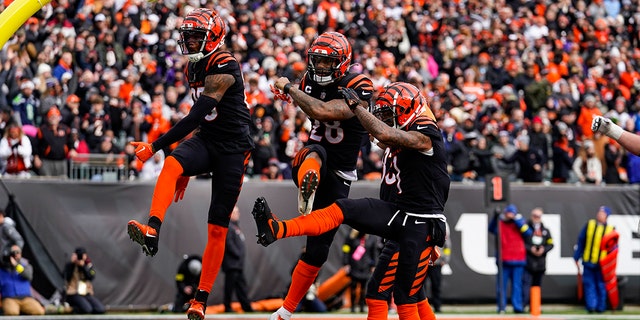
x=615 y=131
x=19 y=268
x=287 y=88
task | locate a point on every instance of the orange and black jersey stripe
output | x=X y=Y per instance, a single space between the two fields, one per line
x=228 y=124
x=415 y=181
x=341 y=139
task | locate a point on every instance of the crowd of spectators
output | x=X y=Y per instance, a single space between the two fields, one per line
x=514 y=83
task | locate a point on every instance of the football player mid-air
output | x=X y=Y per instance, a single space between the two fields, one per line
x=221 y=145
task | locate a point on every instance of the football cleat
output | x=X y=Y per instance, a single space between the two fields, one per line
x=196 y=310
x=145 y=236
x=265 y=222
x=307 y=192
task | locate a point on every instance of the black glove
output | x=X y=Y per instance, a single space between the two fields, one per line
x=437 y=231
x=350 y=97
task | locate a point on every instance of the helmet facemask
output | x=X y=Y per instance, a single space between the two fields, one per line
x=399 y=105
x=324 y=69
x=385 y=114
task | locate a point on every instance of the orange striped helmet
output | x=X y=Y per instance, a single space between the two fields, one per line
x=328 y=58
x=399 y=105
x=202 y=32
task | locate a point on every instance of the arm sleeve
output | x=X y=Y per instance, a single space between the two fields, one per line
x=493 y=225
x=27 y=273
x=522 y=226
x=14 y=235
x=68 y=271
x=89 y=272
x=577 y=254
x=190 y=122
x=548 y=242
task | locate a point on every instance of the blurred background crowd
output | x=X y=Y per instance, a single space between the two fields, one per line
x=514 y=84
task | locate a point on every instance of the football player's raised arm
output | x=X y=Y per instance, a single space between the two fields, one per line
x=333 y=110
x=390 y=136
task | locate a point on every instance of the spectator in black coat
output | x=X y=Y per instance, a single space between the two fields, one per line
x=233 y=265
x=530 y=161
x=78 y=275
x=537 y=246
x=563 y=155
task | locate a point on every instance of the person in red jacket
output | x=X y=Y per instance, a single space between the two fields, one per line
x=511 y=229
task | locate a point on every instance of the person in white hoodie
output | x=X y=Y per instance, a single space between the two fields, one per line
x=15 y=152
x=151 y=169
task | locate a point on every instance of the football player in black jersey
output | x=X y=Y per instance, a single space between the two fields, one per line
x=221 y=145
x=324 y=169
x=413 y=191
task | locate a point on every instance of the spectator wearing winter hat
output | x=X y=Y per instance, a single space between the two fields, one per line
x=110 y=53
x=513 y=230
x=530 y=160
x=588 y=110
x=539 y=139
x=505 y=148
x=26 y=104
x=54 y=145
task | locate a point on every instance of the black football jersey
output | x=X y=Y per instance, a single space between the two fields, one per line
x=227 y=125
x=417 y=182
x=341 y=139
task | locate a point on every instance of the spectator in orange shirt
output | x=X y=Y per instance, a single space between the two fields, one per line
x=329 y=12
x=158 y=125
x=254 y=95
x=588 y=111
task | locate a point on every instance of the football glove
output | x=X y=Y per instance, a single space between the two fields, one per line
x=350 y=97
x=606 y=127
x=280 y=95
x=181 y=187
x=144 y=151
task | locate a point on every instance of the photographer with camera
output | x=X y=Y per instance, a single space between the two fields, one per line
x=78 y=274
x=15 y=285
